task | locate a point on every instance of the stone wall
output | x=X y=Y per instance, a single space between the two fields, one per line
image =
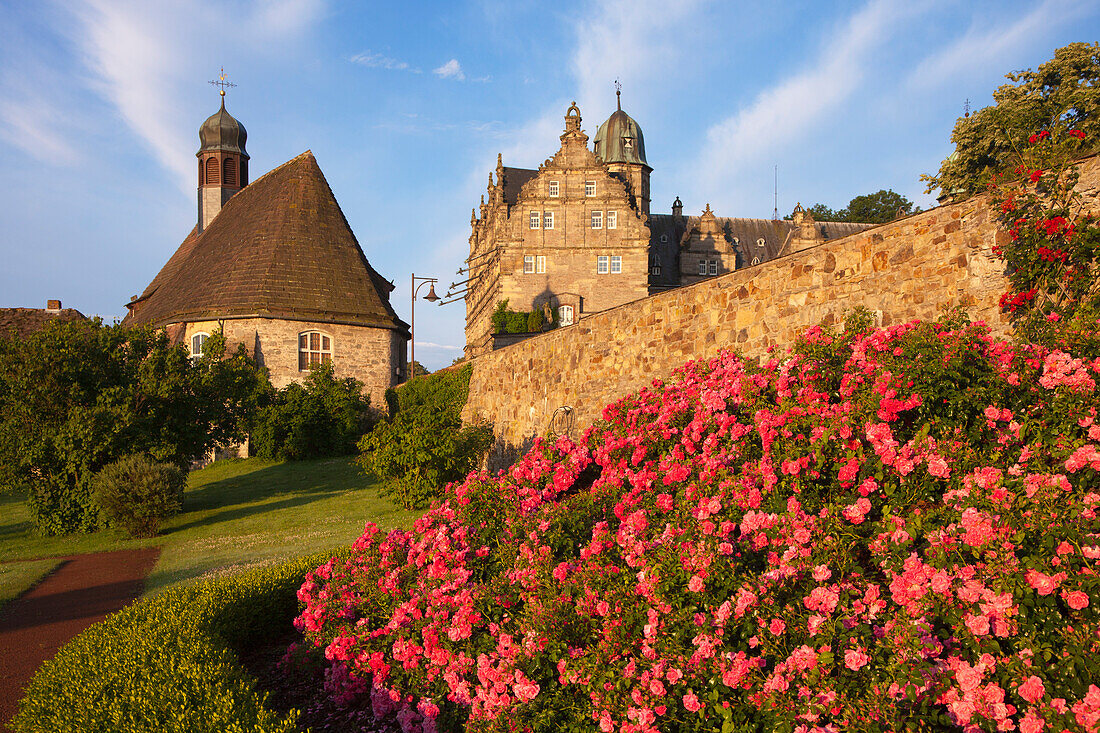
x=905 y=270
x=365 y=353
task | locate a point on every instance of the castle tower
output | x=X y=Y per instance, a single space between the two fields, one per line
x=619 y=143
x=223 y=163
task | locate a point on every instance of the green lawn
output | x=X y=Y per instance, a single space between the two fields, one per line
x=236 y=514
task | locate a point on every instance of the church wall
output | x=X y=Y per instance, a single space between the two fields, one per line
x=368 y=354
x=909 y=269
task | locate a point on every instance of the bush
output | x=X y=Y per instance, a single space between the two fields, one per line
x=891 y=529
x=506 y=320
x=325 y=416
x=424 y=444
x=79 y=395
x=169 y=663
x=138 y=493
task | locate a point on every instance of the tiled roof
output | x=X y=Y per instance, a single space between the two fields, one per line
x=514 y=178
x=279 y=248
x=22 y=322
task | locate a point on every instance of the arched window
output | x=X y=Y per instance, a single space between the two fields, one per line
x=212 y=170
x=314 y=347
x=565 y=315
x=198 y=344
x=229 y=172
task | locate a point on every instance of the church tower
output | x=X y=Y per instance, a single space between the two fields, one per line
x=619 y=143
x=223 y=163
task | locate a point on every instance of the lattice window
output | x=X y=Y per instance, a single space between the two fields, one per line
x=198 y=344
x=314 y=348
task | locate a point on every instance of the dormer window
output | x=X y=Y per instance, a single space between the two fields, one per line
x=760 y=242
x=664 y=239
x=553 y=188
x=198 y=344
x=628 y=142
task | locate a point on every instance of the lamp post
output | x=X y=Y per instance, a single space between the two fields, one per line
x=431 y=297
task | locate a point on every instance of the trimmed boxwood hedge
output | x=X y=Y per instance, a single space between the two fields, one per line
x=167 y=663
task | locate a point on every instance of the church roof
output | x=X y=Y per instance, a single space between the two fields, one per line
x=619 y=140
x=279 y=248
x=222 y=131
x=22 y=322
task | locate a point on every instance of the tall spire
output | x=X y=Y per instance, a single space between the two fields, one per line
x=223 y=160
x=618 y=96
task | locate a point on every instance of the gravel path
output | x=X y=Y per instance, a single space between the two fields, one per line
x=79 y=593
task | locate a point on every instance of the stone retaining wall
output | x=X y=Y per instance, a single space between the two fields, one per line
x=905 y=270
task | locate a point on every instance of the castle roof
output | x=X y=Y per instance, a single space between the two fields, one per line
x=279 y=248
x=619 y=139
x=22 y=322
x=514 y=178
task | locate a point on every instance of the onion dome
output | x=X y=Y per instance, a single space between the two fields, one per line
x=222 y=131
x=619 y=140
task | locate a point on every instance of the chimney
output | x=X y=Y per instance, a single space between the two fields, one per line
x=53 y=306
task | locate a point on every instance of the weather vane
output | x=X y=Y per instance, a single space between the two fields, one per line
x=222 y=82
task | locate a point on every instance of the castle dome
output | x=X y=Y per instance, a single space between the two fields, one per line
x=221 y=131
x=619 y=139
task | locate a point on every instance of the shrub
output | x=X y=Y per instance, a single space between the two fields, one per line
x=424 y=444
x=77 y=396
x=907 y=541
x=325 y=416
x=506 y=320
x=138 y=493
x=535 y=320
x=169 y=663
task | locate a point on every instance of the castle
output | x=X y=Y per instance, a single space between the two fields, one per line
x=576 y=237
x=275 y=266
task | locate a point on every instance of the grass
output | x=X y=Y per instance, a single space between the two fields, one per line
x=18 y=576
x=236 y=514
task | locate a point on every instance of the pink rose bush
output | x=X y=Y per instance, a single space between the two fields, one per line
x=889 y=529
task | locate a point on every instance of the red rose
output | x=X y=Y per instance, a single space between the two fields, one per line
x=1077 y=134
x=1036 y=175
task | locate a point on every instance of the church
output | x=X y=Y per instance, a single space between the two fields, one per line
x=576 y=236
x=274 y=265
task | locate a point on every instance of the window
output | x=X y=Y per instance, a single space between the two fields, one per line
x=713 y=267
x=702 y=267
x=314 y=347
x=565 y=315
x=534 y=221
x=616 y=264
x=612 y=219
x=655 y=265
x=601 y=265
x=664 y=238
x=548 y=220
x=212 y=170
x=198 y=344
x=597 y=220
x=229 y=172
x=760 y=242
x=553 y=188
x=529 y=264
x=540 y=264
x=589 y=188
x=756 y=260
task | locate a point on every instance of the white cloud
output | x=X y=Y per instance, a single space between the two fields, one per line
x=450 y=70
x=145 y=55
x=432 y=345
x=33 y=124
x=381 y=61
x=782 y=114
x=985 y=46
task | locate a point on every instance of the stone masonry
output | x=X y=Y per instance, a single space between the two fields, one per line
x=905 y=270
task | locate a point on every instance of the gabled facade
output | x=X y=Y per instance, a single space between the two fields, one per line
x=275 y=266
x=577 y=236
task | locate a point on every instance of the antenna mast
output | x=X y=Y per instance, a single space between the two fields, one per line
x=775 y=212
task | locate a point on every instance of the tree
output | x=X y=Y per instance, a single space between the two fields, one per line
x=871 y=208
x=1062 y=94
x=877 y=208
x=78 y=395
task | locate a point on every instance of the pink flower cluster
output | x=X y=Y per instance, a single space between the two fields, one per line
x=833 y=550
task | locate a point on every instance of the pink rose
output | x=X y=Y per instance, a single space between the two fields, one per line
x=855 y=659
x=777 y=626
x=691 y=702
x=1041 y=582
x=1032 y=689
x=696 y=585
x=1076 y=599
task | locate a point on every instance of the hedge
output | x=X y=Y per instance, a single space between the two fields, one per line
x=167 y=663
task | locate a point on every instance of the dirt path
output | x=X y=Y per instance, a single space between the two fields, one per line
x=82 y=591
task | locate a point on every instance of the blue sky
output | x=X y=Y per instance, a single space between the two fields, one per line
x=406 y=105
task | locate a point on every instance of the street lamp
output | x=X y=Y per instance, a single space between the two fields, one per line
x=431 y=297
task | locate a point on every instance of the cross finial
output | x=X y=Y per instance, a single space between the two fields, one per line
x=222 y=82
